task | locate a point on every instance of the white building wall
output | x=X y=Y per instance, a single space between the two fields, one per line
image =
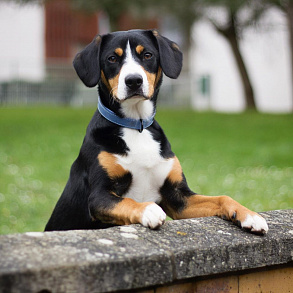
x=22 y=53
x=267 y=56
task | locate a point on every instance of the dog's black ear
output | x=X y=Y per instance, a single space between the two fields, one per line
x=170 y=56
x=86 y=63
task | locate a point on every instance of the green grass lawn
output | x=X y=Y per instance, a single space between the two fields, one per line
x=247 y=156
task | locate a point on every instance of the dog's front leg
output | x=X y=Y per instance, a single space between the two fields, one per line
x=224 y=207
x=125 y=211
x=181 y=203
x=106 y=201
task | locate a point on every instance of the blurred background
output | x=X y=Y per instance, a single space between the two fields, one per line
x=238 y=59
x=237 y=54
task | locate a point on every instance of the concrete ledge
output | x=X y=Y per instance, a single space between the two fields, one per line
x=131 y=257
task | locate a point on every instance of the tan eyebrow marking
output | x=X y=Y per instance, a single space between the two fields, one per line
x=119 y=51
x=139 y=49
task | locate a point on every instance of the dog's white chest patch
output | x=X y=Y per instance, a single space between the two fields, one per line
x=148 y=168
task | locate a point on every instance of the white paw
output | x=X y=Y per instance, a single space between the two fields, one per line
x=153 y=216
x=255 y=223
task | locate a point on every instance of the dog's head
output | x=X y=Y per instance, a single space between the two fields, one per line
x=128 y=64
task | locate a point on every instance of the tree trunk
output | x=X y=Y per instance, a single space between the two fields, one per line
x=247 y=86
x=230 y=35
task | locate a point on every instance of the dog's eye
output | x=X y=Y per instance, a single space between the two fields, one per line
x=148 y=55
x=112 y=59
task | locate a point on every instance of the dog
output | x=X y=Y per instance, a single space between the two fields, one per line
x=126 y=172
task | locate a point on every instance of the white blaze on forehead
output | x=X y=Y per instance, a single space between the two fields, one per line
x=130 y=66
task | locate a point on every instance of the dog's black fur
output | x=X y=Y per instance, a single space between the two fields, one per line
x=85 y=189
x=94 y=196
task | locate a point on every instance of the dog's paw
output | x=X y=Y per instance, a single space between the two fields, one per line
x=255 y=223
x=153 y=216
x=249 y=221
x=243 y=217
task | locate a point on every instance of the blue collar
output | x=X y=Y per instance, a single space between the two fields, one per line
x=138 y=124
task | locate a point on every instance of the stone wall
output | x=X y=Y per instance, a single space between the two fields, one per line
x=194 y=255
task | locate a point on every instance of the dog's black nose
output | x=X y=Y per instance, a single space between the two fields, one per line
x=133 y=81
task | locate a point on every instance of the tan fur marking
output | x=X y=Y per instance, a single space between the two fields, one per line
x=155 y=33
x=175 y=175
x=110 y=165
x=114 y=85
x=119 y=51
x=139 y=49
x=127 y=211
x=105 y=81
x=115 y=194
x=175 y=46
x=153 y=79
x=207 y=206
x=98 y=40
x=159 y=74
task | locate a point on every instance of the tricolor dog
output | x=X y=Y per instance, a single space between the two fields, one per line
x=126 y=172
